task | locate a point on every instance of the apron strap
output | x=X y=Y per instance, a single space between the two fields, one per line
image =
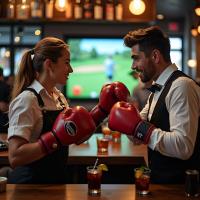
x=40 y=101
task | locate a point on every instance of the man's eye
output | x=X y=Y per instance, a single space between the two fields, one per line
x=137 y=71
x=136 y=58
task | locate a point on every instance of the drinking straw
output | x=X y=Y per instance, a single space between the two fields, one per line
x=95 y=164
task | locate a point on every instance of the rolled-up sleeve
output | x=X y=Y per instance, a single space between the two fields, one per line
x=23 y=115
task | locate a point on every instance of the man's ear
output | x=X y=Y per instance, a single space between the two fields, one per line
x=155 y=56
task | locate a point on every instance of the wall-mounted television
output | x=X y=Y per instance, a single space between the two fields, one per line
x=89 y=56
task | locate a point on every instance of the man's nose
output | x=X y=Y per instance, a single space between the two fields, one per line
x=133 y=66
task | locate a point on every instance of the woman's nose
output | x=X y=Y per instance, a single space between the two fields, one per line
x=70 y=69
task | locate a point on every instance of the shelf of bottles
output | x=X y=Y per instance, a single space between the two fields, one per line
x=110 y=10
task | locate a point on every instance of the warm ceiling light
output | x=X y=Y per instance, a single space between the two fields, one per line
x=37 y=32
x=198 y=28
x=61 y=5
x=197 y=10
x=7 y=54
x=160 y=16
x=194 y=31
x=17 y=39
x=192 y=63
x=137 y=7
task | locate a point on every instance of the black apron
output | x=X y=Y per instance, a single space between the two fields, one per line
x=49 y=169
x=165 y=169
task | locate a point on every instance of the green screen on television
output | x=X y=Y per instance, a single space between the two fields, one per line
x=95 y=62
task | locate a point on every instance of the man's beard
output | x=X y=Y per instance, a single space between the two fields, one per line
x=148 y=76
x=144 y=77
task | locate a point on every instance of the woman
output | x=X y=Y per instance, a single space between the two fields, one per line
x=35 y=105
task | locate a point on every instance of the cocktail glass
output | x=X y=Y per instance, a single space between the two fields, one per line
x=116 y=136
x=102 y=144
x=192 y=183
x=94 y=180
x=142 y=180
x=3 y=182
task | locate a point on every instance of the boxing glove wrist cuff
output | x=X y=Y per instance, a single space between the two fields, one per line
x=49 y=142
x=98 y=114
x=143 y=131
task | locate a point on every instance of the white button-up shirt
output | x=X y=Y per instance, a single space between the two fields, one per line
x=183 y=105
x=25 y=114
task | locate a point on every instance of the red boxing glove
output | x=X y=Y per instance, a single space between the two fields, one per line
x=74 y=125
x=125 y=118
x=109 y=95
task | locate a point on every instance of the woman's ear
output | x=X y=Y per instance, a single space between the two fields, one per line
x=48 y=64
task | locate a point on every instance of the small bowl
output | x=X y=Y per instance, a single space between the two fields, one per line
x=3 y=182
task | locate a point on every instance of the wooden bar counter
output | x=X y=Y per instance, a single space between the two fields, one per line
x=121 y=160
x=124 y=152
x=79 y=192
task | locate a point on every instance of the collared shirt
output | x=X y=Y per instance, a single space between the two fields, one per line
x=183 y=105
x=25 y=114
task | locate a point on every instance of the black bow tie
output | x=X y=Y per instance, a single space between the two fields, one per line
x=155 y=87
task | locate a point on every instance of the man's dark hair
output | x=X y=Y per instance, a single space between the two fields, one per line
x=149 y=39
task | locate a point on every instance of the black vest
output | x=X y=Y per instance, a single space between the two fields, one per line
x=168 y=169
x=49 y=169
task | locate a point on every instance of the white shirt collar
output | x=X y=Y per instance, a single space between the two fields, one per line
x=164 y=76
x=39 y=87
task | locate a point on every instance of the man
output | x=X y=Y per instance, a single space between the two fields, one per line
x=169 y=123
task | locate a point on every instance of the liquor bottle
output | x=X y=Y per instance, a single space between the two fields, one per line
x=68 y=12
x=118 y=10
x=98 y=10
x=88 y=9
x=78 y=10
x=23 y=10
x=11 y=9
x=49 y=9
x=109 y=10
x=36 y=9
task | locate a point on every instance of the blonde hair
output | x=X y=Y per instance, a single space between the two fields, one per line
x=32 y=62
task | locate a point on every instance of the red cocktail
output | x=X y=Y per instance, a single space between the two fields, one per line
x=116 y=136
x=94 y=180
x=142 y=180
x=102 y=145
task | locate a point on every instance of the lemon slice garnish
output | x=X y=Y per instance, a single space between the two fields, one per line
x=102 y=167
x=138 y=173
